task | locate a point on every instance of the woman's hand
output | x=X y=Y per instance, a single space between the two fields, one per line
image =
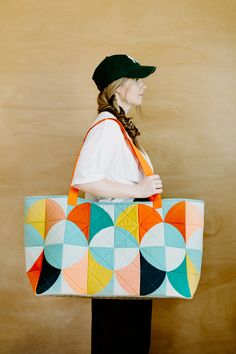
x=149 y=186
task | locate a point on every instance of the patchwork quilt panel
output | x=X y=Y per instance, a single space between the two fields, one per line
x=113 y=249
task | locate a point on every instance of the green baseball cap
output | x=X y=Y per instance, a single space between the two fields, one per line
x=116 y=66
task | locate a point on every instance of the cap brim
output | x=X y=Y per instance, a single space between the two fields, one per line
x=141 y=72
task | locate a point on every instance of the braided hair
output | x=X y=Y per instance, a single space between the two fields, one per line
x=107 y=102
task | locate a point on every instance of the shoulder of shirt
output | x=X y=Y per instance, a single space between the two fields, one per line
x=110 y=126
x=108 y=123
x=103 y=115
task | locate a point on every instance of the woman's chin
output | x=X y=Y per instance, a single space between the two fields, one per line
x=138 y=101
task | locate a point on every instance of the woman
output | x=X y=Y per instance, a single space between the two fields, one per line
x=108 y=171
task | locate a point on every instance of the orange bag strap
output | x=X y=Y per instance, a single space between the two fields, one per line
x=156 y=198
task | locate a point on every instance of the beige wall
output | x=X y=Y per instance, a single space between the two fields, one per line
x=48 y=52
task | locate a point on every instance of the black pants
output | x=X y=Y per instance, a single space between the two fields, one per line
x=121 y=326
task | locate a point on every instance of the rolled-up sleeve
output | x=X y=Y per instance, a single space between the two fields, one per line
x=97 y=153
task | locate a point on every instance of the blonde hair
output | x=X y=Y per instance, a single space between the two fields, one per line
x=107 y=102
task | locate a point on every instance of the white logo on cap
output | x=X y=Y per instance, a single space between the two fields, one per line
x=132 y=59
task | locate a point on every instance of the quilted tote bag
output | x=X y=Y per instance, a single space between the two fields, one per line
x=148 y=249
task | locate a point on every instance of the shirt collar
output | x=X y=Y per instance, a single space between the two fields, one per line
x=106 y=114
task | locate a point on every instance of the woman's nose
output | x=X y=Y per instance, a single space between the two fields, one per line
x=143 y=86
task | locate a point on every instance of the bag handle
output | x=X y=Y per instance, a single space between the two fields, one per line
x=156 y=198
